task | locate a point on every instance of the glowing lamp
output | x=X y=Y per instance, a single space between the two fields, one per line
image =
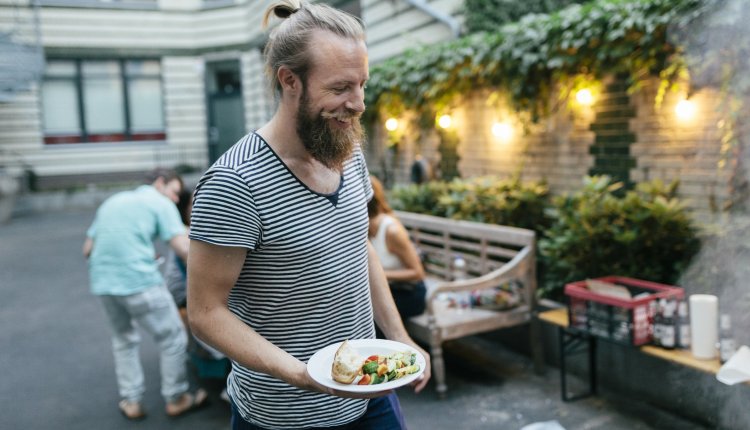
x=584 y=97
x=685 y=110
x=502 y=130
x=445 y=121
x=391 y=124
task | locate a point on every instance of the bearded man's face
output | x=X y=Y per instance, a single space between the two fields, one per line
x=329 y=137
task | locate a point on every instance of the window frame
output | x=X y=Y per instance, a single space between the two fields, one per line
x=84 y=136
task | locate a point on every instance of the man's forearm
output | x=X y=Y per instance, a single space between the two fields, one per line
x=225 y=332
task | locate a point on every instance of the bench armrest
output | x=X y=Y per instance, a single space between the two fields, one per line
x=519 y=267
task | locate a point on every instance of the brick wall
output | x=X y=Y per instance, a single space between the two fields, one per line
x=623 y=135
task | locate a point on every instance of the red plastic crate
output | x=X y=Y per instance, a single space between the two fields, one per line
x=620 y=320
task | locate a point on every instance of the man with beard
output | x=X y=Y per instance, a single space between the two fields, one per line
x=280 y=265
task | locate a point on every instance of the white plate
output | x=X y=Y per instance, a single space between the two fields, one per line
x=319 y=365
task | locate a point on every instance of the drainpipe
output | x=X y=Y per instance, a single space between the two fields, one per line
x=440 y=16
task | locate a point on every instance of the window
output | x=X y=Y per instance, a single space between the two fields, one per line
x=86 y=101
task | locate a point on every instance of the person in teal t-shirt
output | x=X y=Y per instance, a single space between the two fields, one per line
x=125 y=275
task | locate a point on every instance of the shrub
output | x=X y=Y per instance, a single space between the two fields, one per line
x=483 y=199
x=646 y=233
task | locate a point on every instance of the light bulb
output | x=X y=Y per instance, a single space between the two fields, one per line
x=502 y=130
x=391 y=124
x=685 y=110
x=584 y=97
x=445 y=121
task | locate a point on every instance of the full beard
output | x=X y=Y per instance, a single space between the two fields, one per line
x=329 y=145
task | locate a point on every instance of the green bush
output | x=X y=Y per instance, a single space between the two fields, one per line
x=421 y=199
x=483 y=199
x=646 y=234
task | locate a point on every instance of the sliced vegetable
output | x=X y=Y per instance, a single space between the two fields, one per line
x=365 y=380
x=370 y=367
x=378 y=369
x=382 y=369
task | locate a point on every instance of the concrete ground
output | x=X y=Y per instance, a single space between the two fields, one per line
x=57 y=368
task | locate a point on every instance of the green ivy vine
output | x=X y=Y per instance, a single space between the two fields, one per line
x=525 y=59
x=488 y=15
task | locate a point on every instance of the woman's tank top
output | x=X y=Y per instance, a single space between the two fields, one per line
x=389 y=260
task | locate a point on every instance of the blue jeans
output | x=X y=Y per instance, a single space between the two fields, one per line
x=155 y=312
x=383 y=413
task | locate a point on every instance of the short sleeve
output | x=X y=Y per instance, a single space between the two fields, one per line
x=365 y=175
x=91 y=232
x=169 y=221
x=224 y=211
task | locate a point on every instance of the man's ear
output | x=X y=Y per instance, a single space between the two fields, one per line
x=290 y=83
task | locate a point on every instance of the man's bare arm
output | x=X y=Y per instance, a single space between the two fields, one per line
x=386 y=313
x=180 y=244
x=88 y=246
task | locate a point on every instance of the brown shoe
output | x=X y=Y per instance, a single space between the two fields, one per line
x=188 y=402
x=131 y=410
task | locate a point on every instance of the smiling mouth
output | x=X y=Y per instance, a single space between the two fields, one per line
x=338 y=119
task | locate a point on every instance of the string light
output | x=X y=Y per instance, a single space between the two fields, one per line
x=585 y=97
x=502 y=130
x=391 y=124
x=685 y=110
x=445 y=121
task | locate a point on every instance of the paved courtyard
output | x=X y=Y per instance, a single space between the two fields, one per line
x=58 y=372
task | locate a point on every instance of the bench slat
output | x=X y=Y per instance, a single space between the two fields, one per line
x=505 y=234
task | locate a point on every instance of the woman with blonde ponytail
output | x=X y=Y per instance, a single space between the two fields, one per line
x=280 y=265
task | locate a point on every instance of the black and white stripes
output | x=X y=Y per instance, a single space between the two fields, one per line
x=304 y=284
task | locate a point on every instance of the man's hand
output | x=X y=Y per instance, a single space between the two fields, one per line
x=306 y=382
x=422 y=381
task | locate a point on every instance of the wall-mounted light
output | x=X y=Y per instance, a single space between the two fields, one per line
x=585 y=97
x=685 y=110
x=391 y=124
x=502 y=130
x=445 y=121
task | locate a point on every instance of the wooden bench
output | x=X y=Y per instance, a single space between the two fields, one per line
x=494 y=255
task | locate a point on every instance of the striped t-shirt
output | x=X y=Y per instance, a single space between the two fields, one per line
x=304 y=284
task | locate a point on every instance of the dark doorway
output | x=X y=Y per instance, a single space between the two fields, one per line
x=226 y=113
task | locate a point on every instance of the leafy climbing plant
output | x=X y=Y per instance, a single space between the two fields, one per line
x=488 y=15
x=525 y=58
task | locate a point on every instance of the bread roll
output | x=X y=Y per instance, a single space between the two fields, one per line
x=346 y=364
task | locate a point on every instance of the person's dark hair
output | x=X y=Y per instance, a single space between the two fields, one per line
x=378 y=203
x=185 y=204
x=288 y=43
x=167 y=174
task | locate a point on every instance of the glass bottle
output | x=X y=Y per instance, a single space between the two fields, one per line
x=462 y=298
x=668 y=338
x=683 y=325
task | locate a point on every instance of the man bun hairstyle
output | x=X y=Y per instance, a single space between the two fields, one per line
x=288 y=43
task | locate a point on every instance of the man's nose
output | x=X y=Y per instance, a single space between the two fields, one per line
x=357 y=102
